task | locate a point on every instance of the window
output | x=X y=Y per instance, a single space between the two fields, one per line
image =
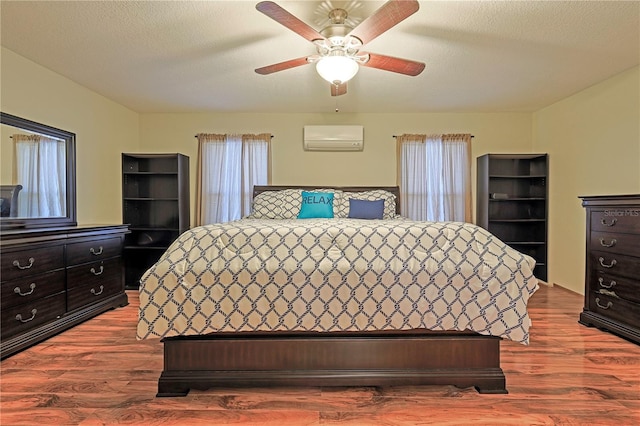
x=435 y=177
x=41 y=170
x=228 y=168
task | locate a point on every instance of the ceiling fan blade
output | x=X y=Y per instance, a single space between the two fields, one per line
x=338 y=89
x=389 y=63
x=281 y=66
x=389 y=14
x=285 y=18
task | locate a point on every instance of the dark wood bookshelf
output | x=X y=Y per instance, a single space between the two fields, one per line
x=512 y=202
x=155 y=205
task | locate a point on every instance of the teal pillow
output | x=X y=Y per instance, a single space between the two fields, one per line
x=316 y=205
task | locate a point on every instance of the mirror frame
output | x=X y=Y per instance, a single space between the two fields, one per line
x=70 y=144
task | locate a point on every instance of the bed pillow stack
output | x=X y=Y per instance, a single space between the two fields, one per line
x=288 y=204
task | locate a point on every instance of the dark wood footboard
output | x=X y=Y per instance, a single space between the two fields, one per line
x=331 y=359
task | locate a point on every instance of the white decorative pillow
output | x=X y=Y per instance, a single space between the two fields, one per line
x=389 y=198
x=282 y=204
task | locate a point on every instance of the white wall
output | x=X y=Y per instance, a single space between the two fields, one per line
x=593 y=141
x=6 y=156
x=375 y=165
x=103 y=130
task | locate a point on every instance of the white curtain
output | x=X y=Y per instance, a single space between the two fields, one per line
x=228 y=168
x=435 y=177
x=40 y=169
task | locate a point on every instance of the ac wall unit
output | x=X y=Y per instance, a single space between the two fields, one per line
x=333 y=138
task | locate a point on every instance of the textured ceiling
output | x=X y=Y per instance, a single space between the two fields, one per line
x=200 y=56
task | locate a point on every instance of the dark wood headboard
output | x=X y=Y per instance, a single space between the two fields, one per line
x=257 y=189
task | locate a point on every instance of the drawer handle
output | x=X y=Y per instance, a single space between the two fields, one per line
x=611 y=284
x=33 y=315
x=608 y=293
x=19 y=292
x=96 y=253
x=17 y=263
x=610 y=265
x=604 y=222
x=93 y=271
x=93 y=291
x=611 y=244
x=609 y=304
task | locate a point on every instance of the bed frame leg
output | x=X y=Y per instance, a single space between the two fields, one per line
x=494 y=384
x=168 y=387
x=491 y=390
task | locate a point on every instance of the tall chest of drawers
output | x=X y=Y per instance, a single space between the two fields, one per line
x=612 y=280
x=53 y=279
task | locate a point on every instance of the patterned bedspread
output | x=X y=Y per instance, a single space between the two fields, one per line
x=337 y=275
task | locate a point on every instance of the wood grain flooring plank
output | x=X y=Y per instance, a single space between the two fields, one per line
x=198 y=417
x=97 y=373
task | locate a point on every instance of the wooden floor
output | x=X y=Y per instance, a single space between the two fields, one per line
x=97 y=373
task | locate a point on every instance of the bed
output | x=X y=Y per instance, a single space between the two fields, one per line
x=370 y=300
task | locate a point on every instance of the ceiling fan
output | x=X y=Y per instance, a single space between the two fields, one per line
x=338 y=45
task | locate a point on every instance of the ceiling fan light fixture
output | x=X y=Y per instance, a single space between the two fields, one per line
x=337 y=69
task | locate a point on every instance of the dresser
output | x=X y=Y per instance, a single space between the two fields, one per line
x=612 y=281
x=55 y=278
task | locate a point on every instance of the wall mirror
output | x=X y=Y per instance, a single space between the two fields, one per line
x=37 y=175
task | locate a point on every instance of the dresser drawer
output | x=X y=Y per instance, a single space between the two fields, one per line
x=23 y=263
x=22 y=318
x=615 y=308
x=615 y=243
x=94 y=292
x=30 y=289
x=94 y=273
x=90 y=251
x=625 y=288
x=616 y=220
x=614 y=264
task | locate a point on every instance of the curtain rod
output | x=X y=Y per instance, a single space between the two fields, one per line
x=395 y=136
x=271 y=136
